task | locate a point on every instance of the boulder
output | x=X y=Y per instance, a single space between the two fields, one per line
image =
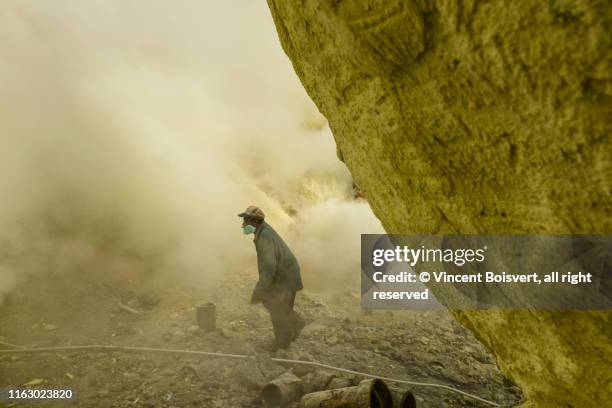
x=476 y=117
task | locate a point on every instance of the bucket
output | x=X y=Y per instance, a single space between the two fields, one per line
x=368 y=394
x=206 y=316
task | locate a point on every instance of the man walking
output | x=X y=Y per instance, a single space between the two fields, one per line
x=279 y=278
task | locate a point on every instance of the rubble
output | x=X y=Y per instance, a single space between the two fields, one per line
x=403 y=345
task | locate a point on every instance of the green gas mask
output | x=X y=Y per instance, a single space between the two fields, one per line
x=248 y=229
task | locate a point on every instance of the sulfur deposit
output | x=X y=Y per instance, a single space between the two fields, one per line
x=476 y=117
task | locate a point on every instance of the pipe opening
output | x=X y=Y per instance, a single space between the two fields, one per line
x=380 y=397
x=408 y=401
x=272 y=395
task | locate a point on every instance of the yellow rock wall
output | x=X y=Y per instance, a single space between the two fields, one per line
x=477 y=117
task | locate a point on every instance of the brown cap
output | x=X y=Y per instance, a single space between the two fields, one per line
x=253 y=212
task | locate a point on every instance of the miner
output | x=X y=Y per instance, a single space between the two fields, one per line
x=279 y=278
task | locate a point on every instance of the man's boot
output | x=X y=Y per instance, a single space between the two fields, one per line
x=299 y=324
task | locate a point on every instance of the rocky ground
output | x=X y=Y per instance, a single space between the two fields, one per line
x=418 y=346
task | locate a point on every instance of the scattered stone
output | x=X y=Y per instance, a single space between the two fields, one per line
x=331 y=339
x=36 y=381
x=313 y=329
x=148 y=300
x=249 y=376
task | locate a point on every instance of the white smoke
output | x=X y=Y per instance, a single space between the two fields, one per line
x=133 y=132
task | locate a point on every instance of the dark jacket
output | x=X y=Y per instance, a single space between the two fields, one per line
x=279 y=270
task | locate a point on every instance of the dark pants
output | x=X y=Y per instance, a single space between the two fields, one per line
x=286 y=322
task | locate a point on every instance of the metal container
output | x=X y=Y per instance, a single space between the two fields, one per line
x=282 y=391
x=206 y=316
x=368 y=394
x=402 y=398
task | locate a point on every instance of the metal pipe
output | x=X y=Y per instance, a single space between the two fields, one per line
x=282 y=391
x=368 y=394
x=402 y=398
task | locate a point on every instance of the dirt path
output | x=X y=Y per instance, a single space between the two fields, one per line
x=419 y=346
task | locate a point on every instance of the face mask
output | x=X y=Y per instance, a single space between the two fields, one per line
x=248 y=229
